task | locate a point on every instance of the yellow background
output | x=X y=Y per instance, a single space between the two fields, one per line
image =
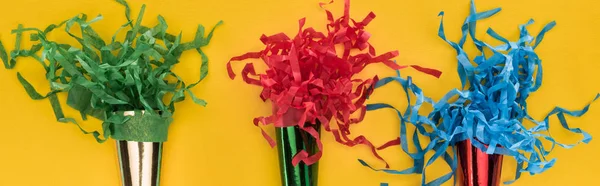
x=218 y=145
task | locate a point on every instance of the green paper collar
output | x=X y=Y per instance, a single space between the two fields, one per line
x=141 y=127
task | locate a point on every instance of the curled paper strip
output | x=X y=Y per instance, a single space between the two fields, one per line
x=489 y=111
x=105 y=78
x=307 y=81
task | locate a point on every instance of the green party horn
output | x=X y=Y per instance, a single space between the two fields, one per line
x=290 y=141
x=125 y=82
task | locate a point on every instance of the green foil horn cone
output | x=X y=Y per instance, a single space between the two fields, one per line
x=290 y=141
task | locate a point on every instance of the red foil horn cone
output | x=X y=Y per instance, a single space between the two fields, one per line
x=477 y=168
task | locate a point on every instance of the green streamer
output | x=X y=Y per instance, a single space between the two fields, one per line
x=103 y=79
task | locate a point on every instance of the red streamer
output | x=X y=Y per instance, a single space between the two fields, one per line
x=306 y=79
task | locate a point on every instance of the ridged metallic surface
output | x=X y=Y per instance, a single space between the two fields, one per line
x=290 y=141
x=477 y=168
x=140 y=162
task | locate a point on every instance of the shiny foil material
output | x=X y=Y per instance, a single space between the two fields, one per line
x=290 y=141
x=140 y=162
x=477 y=168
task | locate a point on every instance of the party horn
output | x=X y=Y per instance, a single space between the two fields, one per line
x=139 y=162
x=477 y=168
x=290 y=141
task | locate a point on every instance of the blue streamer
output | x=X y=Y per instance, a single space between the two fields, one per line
x=489 y=110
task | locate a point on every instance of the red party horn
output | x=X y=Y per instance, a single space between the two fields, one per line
x=477 y=168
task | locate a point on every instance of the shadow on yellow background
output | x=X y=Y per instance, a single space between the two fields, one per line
x=218 y=145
